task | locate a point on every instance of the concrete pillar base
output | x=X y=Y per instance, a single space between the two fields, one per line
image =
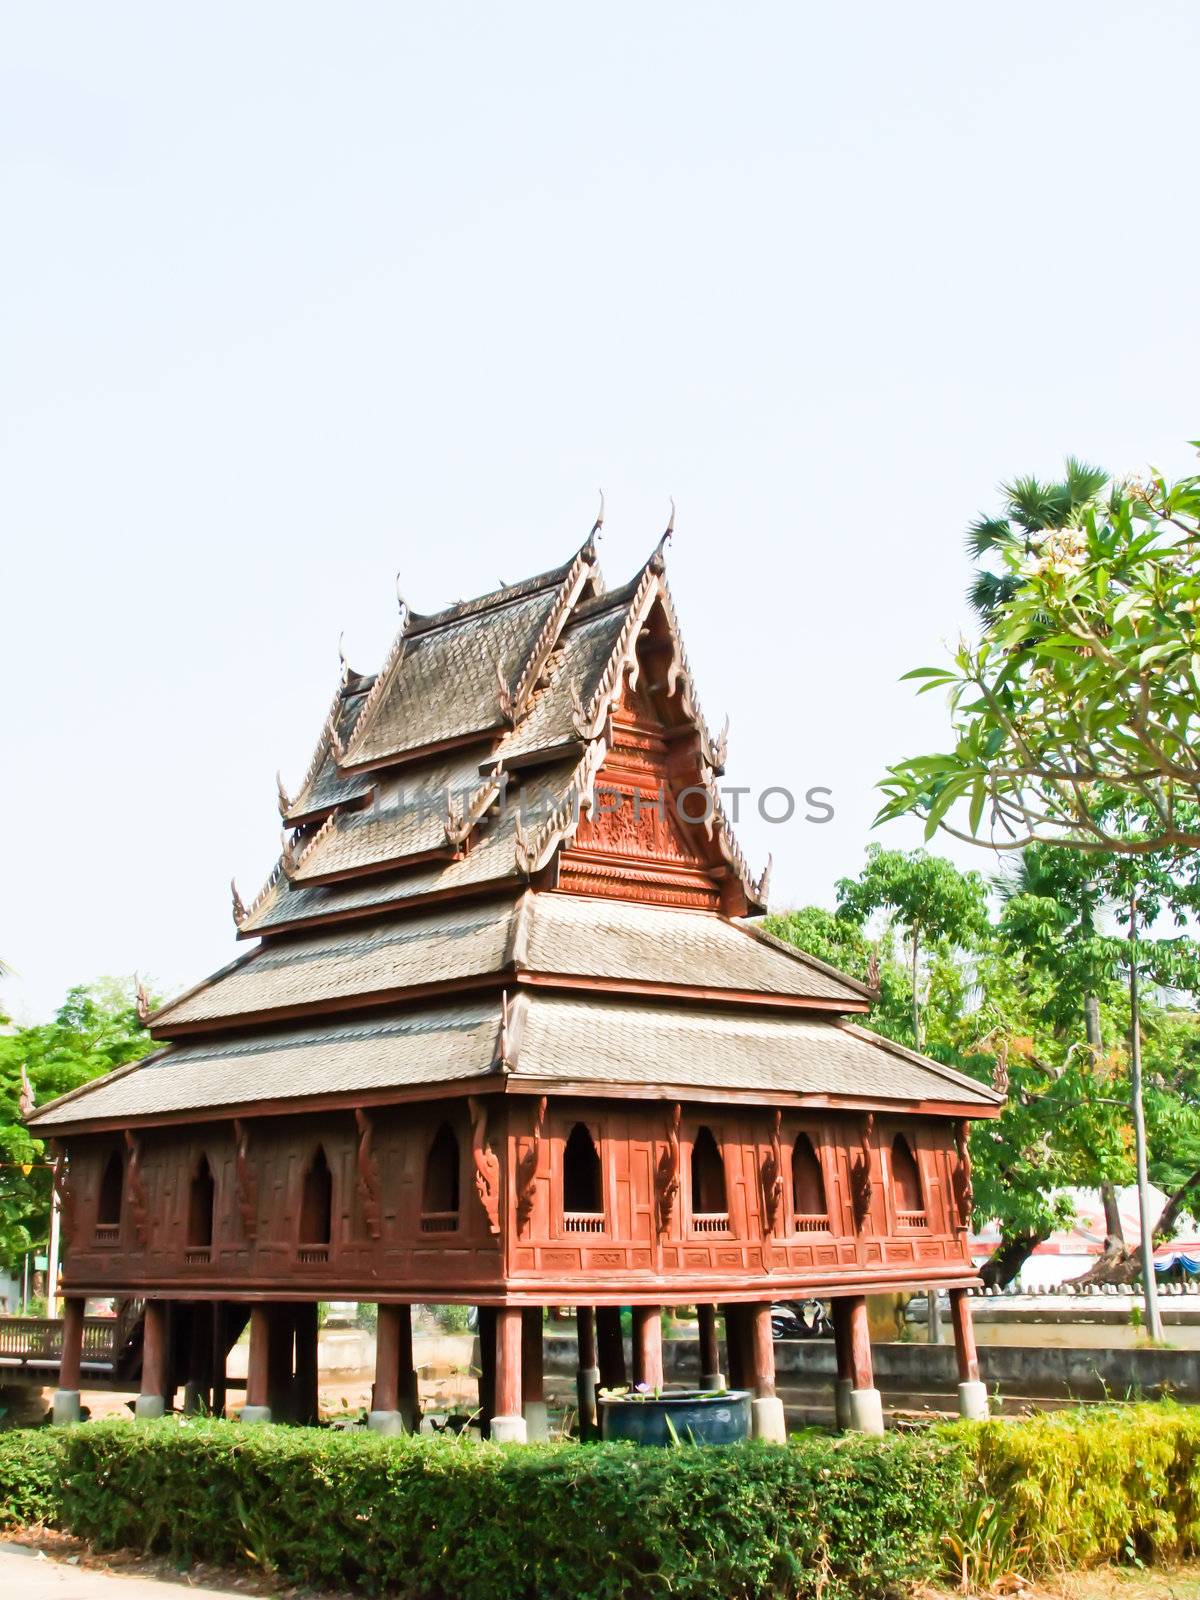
x=842 y=1389
x=255 y=1414
x=973 y=1401
x=766 y=1420
x=387 y=1422
x=65 y=1407
x=713 y=1381
x=537 y=1421
x=149 y=1406
x=508 y=1430
x=192 y=1396
x=866 y=1411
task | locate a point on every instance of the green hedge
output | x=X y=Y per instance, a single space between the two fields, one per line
x=425 y=1518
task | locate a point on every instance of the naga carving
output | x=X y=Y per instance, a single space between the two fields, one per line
x=861 y=1186
x=527 y=1167
x=367 y=1169
x=487 y=1165
x=245 y=1179
x=135 y=1186
x=772 y=1176
x=666 y=1175
x=964 y=1189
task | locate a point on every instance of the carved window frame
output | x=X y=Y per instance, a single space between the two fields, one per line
x=691 y=1231
x=817 y=1135
x=307 y=1250
x=915 y=1141
x=203 y=1254
x=565 y=1123
x=107 y=1234
x=463 y=1148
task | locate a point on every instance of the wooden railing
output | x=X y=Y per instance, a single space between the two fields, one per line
x=583 y=1222
x=26 y=1339
x=439 y=1222
x=710 y=1222
x=810 y=1222
x=312 y=1255
x=911 y=1219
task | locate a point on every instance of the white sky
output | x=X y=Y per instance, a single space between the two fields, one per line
x=295 y=296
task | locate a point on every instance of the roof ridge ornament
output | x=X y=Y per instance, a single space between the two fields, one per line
x=285 y=804
x=403 y=605
x=288 y=855
x=763 y=884
x=720 y=746
x=658 y=561
x=588 y=549
x=239 y=910
x=142 y=1001
x=506 y=699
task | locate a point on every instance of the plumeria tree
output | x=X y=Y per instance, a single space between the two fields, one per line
x=1081 y=698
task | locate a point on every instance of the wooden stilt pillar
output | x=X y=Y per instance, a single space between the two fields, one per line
x=386 y=1415
x=587 y=1378
x=866 y=1408
x=197 y=1387
x=710 y=1351
x=66 y=1396
x=487 y=1369
x=766 y=1409
x=533 y=1387
x=737 y=1347
x=220 y=1352
x=150 y=1402
x=256 y=1408
x=281 y=1359
x=647 y=1346
x=305 y=1403
x=610 y=1347
x=410 y=1397
x=844 y=1382
x=972 y=1394
x=508 y=1424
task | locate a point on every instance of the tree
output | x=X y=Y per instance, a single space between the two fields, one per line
x=95 y=1030
x=929 y=900
x=1080 y=698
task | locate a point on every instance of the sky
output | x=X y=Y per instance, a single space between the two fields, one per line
x=295 y=298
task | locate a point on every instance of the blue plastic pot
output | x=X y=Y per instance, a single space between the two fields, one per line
x=697 y=1416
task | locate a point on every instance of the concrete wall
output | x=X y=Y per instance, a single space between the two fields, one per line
x=1048 y=1373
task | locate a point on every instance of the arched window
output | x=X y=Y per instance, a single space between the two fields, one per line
x=808 y=1186
x=202 y=1194
x=316 y=1201
x=112 y=1187
x=583 y=1190
x=906 y=1181
x=708 y=1176
x=439 y=1206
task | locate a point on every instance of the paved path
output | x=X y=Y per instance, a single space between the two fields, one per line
x=25 y=1573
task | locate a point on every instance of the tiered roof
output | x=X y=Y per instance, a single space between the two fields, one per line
x=424 y=924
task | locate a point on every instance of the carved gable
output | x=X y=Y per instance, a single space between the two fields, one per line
x=637 y=844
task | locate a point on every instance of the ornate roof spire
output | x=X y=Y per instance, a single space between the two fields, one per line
x=658 y=561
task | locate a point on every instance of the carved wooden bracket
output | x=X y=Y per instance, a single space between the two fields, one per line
x=964 y=1189
x=772 y=1176
x=135 y=1186
x=367 y=1167
x=861 y=1186
x=527 y=1167
x=60 y=1172
x=666 y=1176
x=245 y=1179
x=487 y=1164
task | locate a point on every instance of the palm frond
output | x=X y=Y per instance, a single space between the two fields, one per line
x=985 y=535
x=988 y=593
x=1083 y=482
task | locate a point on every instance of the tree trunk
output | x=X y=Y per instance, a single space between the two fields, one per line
x=1169 y=1215
x=918 y=1032
x=1114 y=1233
x=1008 y=1259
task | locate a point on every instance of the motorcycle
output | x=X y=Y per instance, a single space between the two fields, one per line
x=800 y=1319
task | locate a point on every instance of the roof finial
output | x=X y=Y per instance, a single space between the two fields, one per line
x=344 y=664
x=239 y=910
x=658 y=559
x=588 y=551
x=143 y=1004
x=285 y=804
x=598 y=525
x=760 y=890
x=28 y=1101
x=403 y=604
x=506 y=700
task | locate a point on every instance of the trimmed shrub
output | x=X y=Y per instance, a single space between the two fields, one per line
x=429 y=1517
x=30 y=1475
x=1096 y=1483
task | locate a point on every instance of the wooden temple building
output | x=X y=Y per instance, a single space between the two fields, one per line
x=506 y=1033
